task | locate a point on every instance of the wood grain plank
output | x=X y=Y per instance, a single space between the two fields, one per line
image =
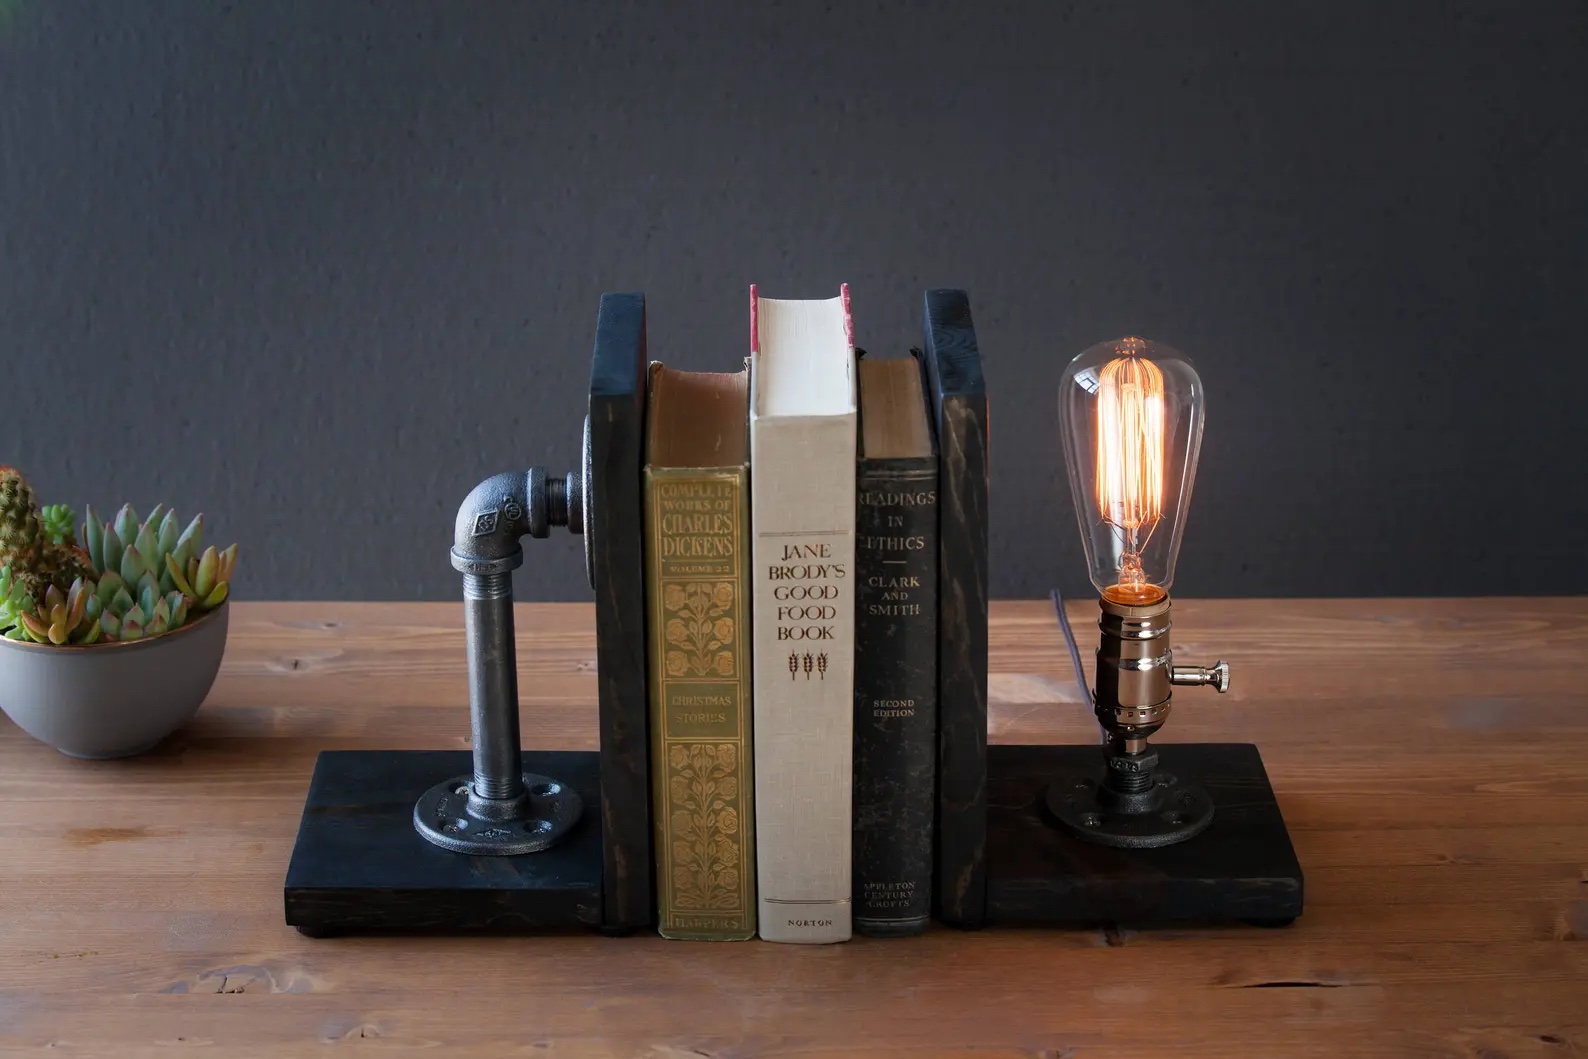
x=1429 y=756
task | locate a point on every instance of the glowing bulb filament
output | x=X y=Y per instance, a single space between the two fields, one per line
x=1130 y=455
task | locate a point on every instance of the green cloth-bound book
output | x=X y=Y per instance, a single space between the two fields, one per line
x=697 y=553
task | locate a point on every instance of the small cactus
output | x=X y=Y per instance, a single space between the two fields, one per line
x=26 y=544
x=21 y=530
x=131 y=579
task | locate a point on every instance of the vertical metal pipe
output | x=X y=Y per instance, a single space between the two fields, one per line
x=493 y=685
x=500 y=817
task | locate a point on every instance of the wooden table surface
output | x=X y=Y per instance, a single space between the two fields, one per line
x=1431 y=758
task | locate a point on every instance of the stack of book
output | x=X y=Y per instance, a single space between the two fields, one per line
x=792 y=570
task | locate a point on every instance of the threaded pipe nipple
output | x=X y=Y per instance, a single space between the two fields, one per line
x=488 y=586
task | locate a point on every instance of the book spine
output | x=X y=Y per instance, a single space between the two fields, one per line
x=803 y=532
x=701 y=746
x=895 y=694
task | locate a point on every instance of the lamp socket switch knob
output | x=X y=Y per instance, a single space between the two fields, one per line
x=1216 y=676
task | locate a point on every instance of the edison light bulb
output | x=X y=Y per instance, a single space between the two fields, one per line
x=1131 y=412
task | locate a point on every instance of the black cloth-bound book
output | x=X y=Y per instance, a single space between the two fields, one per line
x=895 y=652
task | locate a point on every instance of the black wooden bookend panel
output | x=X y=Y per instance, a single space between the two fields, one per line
x=1242 y=868
x=959 y=400
x=359 y=867
x=617 y=433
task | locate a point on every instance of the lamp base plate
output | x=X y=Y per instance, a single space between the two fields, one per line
x=1172 y=811
x=360 y=867
x=1242 y=867
x=548 y=810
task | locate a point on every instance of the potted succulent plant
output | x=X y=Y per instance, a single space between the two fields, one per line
x=109 y=645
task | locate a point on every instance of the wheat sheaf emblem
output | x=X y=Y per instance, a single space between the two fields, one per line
x=806 y=663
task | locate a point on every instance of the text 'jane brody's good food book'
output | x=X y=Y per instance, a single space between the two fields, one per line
x=802 y=526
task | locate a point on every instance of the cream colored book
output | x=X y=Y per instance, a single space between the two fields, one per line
x=802 y=532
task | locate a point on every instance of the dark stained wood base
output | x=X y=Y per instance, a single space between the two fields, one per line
x=359 y=867
x=1242 y=868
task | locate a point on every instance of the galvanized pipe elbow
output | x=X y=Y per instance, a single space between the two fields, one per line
x=508 y=506
x=492 y=518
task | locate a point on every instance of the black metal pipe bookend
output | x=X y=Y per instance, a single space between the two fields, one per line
x=503 y=840
x=501 y=810
x=1135 y=805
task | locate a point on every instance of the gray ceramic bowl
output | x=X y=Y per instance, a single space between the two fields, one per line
x=112 y=699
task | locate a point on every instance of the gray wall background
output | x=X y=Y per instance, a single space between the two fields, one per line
x=317 y=267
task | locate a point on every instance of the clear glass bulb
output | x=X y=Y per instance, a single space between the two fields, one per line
x=1131 y=412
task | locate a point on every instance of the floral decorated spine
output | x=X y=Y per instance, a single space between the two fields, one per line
x=699 y=662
